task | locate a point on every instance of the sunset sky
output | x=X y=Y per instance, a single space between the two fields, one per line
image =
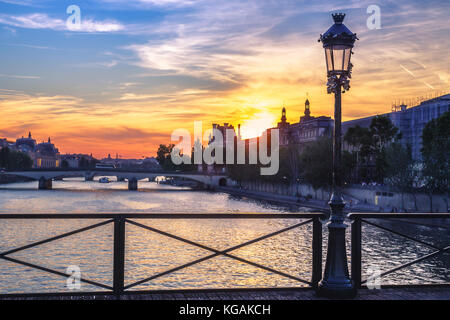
x=138 y=69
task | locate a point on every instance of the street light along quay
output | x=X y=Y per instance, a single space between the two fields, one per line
x=338 y=43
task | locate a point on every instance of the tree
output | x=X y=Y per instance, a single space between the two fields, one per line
x=359 y=138
x=11 y=159
x=400 y=171
x=4 y=157
x=83 y=163
x=349 y=166
x=383 y=132
x=436 y=155
x=293 y=159
x=316 y=163
x=163 y=155
x=244 y=172
x=64 y=164
x=93 y=162
x=369 y=145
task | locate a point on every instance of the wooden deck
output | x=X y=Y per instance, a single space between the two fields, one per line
x=391 y=293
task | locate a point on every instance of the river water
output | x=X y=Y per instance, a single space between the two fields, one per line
x=148 y=253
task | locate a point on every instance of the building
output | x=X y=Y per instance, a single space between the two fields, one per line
x=74 y=160
x=47 y=155
x=409 y=121
x=44 y=155
x=307 y=130
x=28 y=146
x=224 y=130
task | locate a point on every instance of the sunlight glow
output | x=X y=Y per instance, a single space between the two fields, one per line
x=258 y=123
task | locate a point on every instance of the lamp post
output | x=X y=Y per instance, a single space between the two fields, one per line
x=338 y=42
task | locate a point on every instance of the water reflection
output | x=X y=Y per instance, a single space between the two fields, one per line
x=148 y=253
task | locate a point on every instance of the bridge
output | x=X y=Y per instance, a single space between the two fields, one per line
x=367 y=285
x=46 y=176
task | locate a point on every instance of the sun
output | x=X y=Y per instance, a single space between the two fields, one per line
x=255 y=126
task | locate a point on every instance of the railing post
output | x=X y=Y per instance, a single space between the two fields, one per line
x=119 y=254
x=356 y=251
x=316 y=252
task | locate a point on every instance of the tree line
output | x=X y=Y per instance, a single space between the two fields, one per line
x=83 y=163
x=12 y=159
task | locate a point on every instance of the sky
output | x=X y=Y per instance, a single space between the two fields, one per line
x=135 y=70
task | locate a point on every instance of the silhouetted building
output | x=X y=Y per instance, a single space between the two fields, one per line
x=409 y=121
x=224 y=130
x=44 y=155
x=47 y=155
x=307 y=130
x=74 y=160
x=28 y=146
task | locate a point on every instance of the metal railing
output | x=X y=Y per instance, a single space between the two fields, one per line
x=356 y=240
x=120 y=221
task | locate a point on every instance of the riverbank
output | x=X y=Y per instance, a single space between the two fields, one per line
x=313 y=204
x=359 y=199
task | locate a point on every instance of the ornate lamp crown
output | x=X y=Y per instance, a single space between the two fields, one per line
x=338 y=17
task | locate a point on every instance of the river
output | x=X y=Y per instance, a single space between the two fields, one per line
x=148 y=253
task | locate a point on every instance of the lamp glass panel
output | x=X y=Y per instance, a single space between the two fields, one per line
x=329 y=58
x=338 y=58
x=347 y=56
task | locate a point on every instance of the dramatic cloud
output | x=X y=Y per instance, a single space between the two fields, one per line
x=162 y=64
x=43 y=21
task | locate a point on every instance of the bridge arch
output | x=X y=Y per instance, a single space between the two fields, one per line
x=45 y=177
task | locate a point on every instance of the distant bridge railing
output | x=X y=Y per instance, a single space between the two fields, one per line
x=118 y=170
x=120 y=221
x=367 y=218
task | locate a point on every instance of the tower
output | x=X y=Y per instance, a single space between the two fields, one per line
x=283 y=115
x=283 y=122
x=307 y=109
x=307 y=112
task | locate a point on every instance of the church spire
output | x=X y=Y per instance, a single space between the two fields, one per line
x=307 y=112
x=283 y=115
x=307 y=108
x=283 y=122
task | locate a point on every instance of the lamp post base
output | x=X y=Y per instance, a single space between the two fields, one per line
x=336 y=291
x=336 y=282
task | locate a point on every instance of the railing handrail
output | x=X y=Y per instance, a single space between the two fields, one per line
x=162 y=215
x=399 y=215
x=120 y=220
x=356 y=242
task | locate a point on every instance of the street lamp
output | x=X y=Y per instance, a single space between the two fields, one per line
x=338 y=43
